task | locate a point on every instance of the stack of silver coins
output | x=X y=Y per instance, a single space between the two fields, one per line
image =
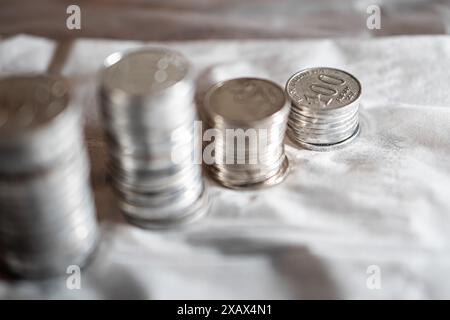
x=324 y=113
x=47 y=213
x=149 y=114
x=247 y=118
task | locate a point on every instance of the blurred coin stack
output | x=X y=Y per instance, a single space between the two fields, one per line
x=148 y=112
x=47 y=213
x=248 y=116
x=324 y=108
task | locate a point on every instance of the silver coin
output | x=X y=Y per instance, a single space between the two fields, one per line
x=151 y=118
x=324 y=147
x=248 y=105
x=53 y=215
x=148 y=115
x=162 y=199
x=144 y=72
x=197 y=210
x=45 y=150
x=323 y=89
x=326 y=139
x=44 y=265
x=159 y=184
x=245 y=101
x=145 y=217
x=269 y=181
x=29 y=103
x=172 y=211
x=314 y=125
x=317 y=133
x=321 y=120
x=324 y=108
x=35 y=119
x=48 y=213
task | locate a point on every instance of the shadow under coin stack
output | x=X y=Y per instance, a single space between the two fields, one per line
x=324 y=112
x=148 y=112
x=47 y=214
x=249 y=117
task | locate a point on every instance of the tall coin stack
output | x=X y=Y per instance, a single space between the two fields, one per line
x=324 y=112
x=47 y=213
x=248 y=116
x=148 y=112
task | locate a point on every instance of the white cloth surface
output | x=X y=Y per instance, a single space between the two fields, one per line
x=383 y=200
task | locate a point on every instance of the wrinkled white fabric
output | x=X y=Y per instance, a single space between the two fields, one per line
x=25 y=54
x=383 y=201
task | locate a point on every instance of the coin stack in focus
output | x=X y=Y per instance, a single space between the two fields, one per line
x=248 y=116
x=148 y=112
x=324 y=108
x=47 y=212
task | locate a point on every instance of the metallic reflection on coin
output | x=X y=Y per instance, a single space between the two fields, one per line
x=148 y=116
x=47 y=212
x=249 y=117
x=324 y=108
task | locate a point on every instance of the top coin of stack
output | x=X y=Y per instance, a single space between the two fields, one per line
x=248 y=116
x=324 y=111
x=47 y=213
x=148 y=112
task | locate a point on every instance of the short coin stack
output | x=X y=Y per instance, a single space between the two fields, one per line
x=324 y=113
x=47 y=212
x=247 y=117
x=148 y=112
